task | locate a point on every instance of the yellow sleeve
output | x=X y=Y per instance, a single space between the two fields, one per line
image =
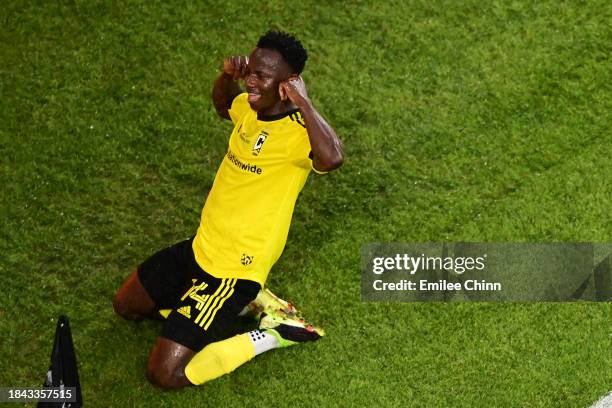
x=302 y=154
x=240 y=106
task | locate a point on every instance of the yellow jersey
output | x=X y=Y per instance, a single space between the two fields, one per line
x=246 y=217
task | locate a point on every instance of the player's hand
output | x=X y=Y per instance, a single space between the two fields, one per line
x=236 y=66
x=294 y=89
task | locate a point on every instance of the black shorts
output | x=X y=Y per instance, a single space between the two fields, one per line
x=204 y=308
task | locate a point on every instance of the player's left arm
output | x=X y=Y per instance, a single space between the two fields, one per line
x=326 y=147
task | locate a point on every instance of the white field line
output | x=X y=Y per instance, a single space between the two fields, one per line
x=604 y=402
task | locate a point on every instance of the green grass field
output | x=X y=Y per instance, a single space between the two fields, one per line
x=462 y=121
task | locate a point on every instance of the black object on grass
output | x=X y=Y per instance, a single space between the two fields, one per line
x=63 y=372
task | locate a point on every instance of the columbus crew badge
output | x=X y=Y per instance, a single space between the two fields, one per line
x=259 y=142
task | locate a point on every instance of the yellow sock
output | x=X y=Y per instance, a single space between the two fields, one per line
x=220 y=358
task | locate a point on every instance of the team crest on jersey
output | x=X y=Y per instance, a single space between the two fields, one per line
x=259 y=142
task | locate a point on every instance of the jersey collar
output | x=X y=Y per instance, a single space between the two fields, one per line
x=270 y=118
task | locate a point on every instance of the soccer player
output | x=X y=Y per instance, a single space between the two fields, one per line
x=207 y=281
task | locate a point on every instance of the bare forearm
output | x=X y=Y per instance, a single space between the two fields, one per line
x=326 y=146
x=224 y=91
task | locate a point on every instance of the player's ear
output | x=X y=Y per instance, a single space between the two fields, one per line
x=282 y=92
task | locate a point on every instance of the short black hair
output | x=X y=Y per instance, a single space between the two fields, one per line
x=288 y=46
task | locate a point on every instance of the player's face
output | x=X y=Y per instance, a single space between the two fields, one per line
x=266 y=70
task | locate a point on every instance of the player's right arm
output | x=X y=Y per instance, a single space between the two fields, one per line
x=226 y=85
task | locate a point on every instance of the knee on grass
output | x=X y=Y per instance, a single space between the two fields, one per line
x=132 y=301
x=123 y=308
x=167 y=378
x=166 y=365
